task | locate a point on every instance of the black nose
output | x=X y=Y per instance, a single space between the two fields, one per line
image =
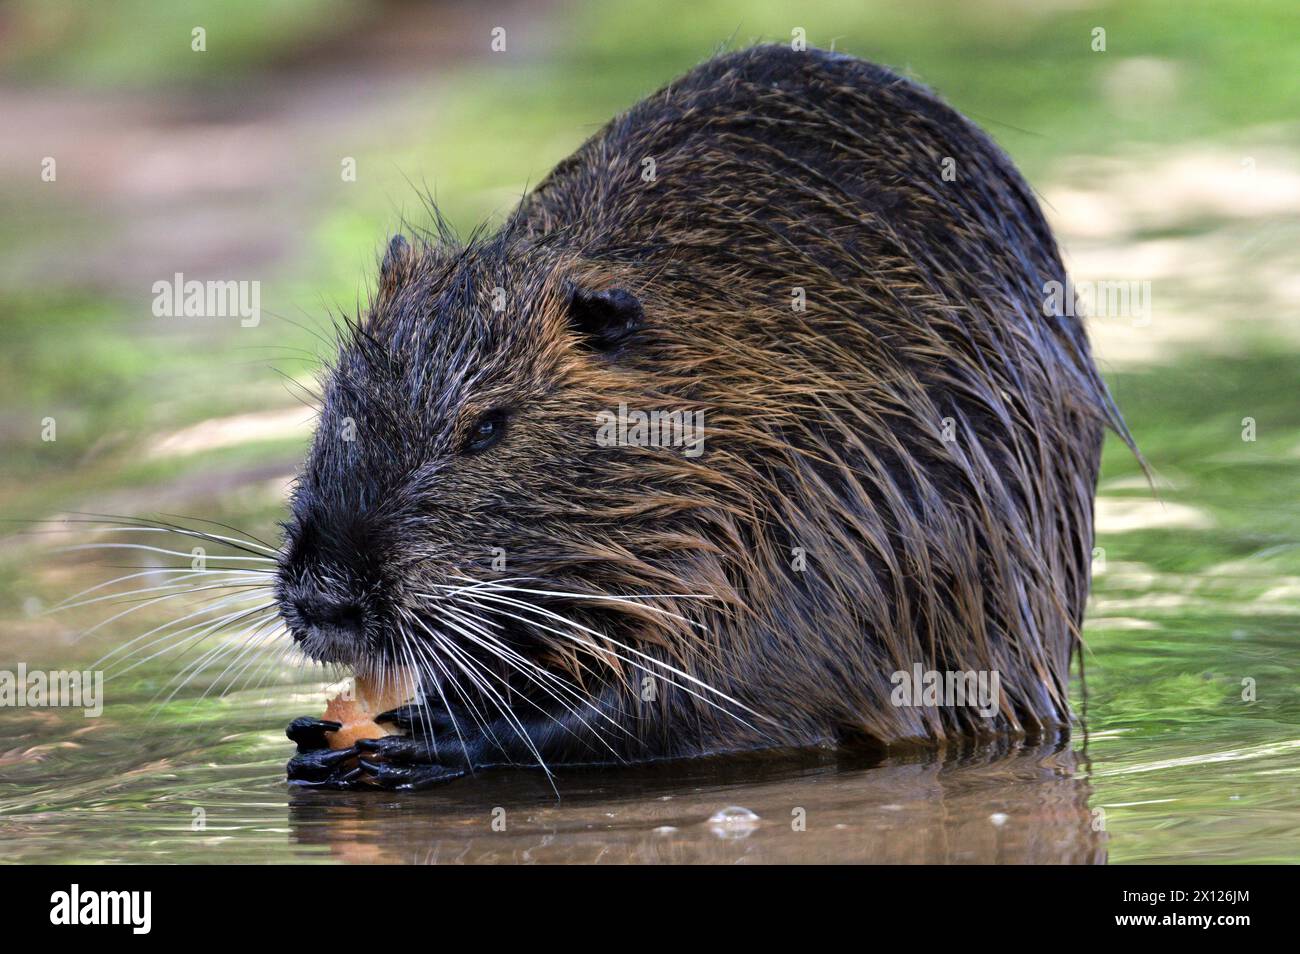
x=323 y=613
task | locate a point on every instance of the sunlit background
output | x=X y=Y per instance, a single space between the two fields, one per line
x=1170 y=156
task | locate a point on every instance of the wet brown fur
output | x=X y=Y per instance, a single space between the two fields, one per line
x=824 y=428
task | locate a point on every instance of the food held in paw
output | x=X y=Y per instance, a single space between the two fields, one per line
x=356 y=709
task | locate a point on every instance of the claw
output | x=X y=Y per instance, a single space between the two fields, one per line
x=413 y=778
x=399 y=749
x=309 y=733
x=345 y=784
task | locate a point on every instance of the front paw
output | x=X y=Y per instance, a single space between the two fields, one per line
x=325 y=768
x=317 y=765
x=404 y=764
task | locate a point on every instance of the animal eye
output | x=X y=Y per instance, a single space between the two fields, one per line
x=486 y=432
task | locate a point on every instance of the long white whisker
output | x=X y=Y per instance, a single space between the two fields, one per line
x=424 y=673
x=152 y=571
x=149 y=549
x=249 y=646
x=271 y=666
x=473 y=677
x=432 y=657
x=253 y=658
x=467 y=666
x=196 y=667
x=532 y=607
x=533 y=672
x=209 y=606
x=529 y=607
x=180 y=589
x=630 y=600
x=211 y=626
x=478 y=713
x=135 y=607
x=191 y=532
x=499 y=651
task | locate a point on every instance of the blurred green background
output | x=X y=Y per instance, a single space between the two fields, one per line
x=1171 y=156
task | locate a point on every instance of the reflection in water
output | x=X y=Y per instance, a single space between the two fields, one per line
x=1009 y=805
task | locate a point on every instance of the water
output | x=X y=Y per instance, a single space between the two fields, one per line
x=1013 y=806
x=1194 y=614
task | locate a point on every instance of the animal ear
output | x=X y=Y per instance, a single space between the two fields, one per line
x=396 y=263
x=605 y=319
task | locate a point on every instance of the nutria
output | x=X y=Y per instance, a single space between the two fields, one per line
x=838 y=283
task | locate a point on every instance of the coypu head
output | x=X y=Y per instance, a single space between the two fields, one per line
x=455 y=504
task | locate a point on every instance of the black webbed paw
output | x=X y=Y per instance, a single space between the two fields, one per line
x=401 y=762
x=321 y=766
x=431 y=750
x=351 y=779
x=317 y=765
x=399 y=749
